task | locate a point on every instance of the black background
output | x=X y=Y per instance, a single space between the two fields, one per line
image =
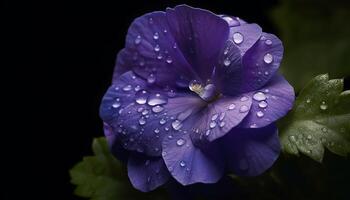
x=63 y=58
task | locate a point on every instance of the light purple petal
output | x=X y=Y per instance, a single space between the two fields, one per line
x=147 y=173
x=200 y=35
x=270 y=103
x=143 y=114
x=250 y=152
x=189 y=164
x=245 y=36
x=261 y=62
x=114 y=143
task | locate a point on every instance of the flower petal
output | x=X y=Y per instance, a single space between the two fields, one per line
x=261 y=62
x=200 y=35
x=152 y=53
x=217 y=118
x=245 y=36
x=114 y=143
x=250 y=152
x=189 y=164
x=270 y=103
x=143 y=114
x=147 y=173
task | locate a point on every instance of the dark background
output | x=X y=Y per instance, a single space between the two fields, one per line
x=63 y=57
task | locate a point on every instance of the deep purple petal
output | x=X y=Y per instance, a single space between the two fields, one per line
x=189 y=164
x=261 y=62
x=270 y=103
x=245 y=36
x=250 y=152
x=151 y=51
x=143 y=114
x=200 y=35
x=218 y=118
x=114 y=143
x=147 y=173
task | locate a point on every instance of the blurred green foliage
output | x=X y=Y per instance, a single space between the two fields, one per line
x=316 y=38
x=320 y=118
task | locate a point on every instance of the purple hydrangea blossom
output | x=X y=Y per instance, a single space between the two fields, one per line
x=195 y=95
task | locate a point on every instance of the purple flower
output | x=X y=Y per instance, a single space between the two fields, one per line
x=195 y=95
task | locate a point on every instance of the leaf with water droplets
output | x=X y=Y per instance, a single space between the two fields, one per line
x=102 y=177
x=319 y=119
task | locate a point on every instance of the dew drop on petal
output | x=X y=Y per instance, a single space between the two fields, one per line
x=162 y=121
x=157 y=109
x=127 y=88
x=227 y=62
x=232 y=106
x=182 y=163
x=268 y=42
x=138 y=40
x=145 y=112
x=157 y=48
x=116 y=105
x=214 y=117
x=156 y=36
x=259 y=96
x=151 y=79
x=262 y=104
x=243 y=109
x=222 y=124
x=222 y=116
x=169 y=60
x=268 y=58
x=180 y=142
x=308 y=100
x=259 y=114
x=244 y=98
x=157 y=99
x=253 y=126
x=176 y=125
x=137 y=88
x=212 y=124
x=207 y=132
x=141 y=100
x=142 y=121
x=238 y=38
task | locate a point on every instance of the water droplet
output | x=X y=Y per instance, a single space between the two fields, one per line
x=141 y=100
x=214 y=117
x=182 y=163
x=157 y=109
x=149 y=179
x=180 y=142
x=137 y=88
x=266 y=73
x=259 y=96
x=243 y=108
x=207 y=132
x=140 y=109
x=222 y=116
x=232 y=106
x=266 y=90
x=156 y=36
x=116 y=105
x=171 y=93
x=253 y=125
x=176 y=125
x=268 y=42
x=142 y=121
x=262 y=104
x=222 y=124
x=150 y=20
x=127 y=88
x=324 y=129
x=212 y=124
x=157 y=99
x=169 y=60
x=170 y=136
x=138 y=40
x=151 y=79
x=323 y=106
x=244 y=98
x=156 y=48
x=268 y=58
x=156 y=130
x=175 y=45
x=165 y=31
x=292 y=138
x=227 y=62
x=162 y=121
x=309 y=137
x=164 y=153
x=238 y=38
x=145 y=112
x=259 y=114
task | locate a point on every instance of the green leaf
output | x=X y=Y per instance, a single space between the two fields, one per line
x=102 y=177
x=315 y=37
x=320 y=119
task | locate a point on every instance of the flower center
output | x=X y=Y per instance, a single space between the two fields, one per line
x=206 y=92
